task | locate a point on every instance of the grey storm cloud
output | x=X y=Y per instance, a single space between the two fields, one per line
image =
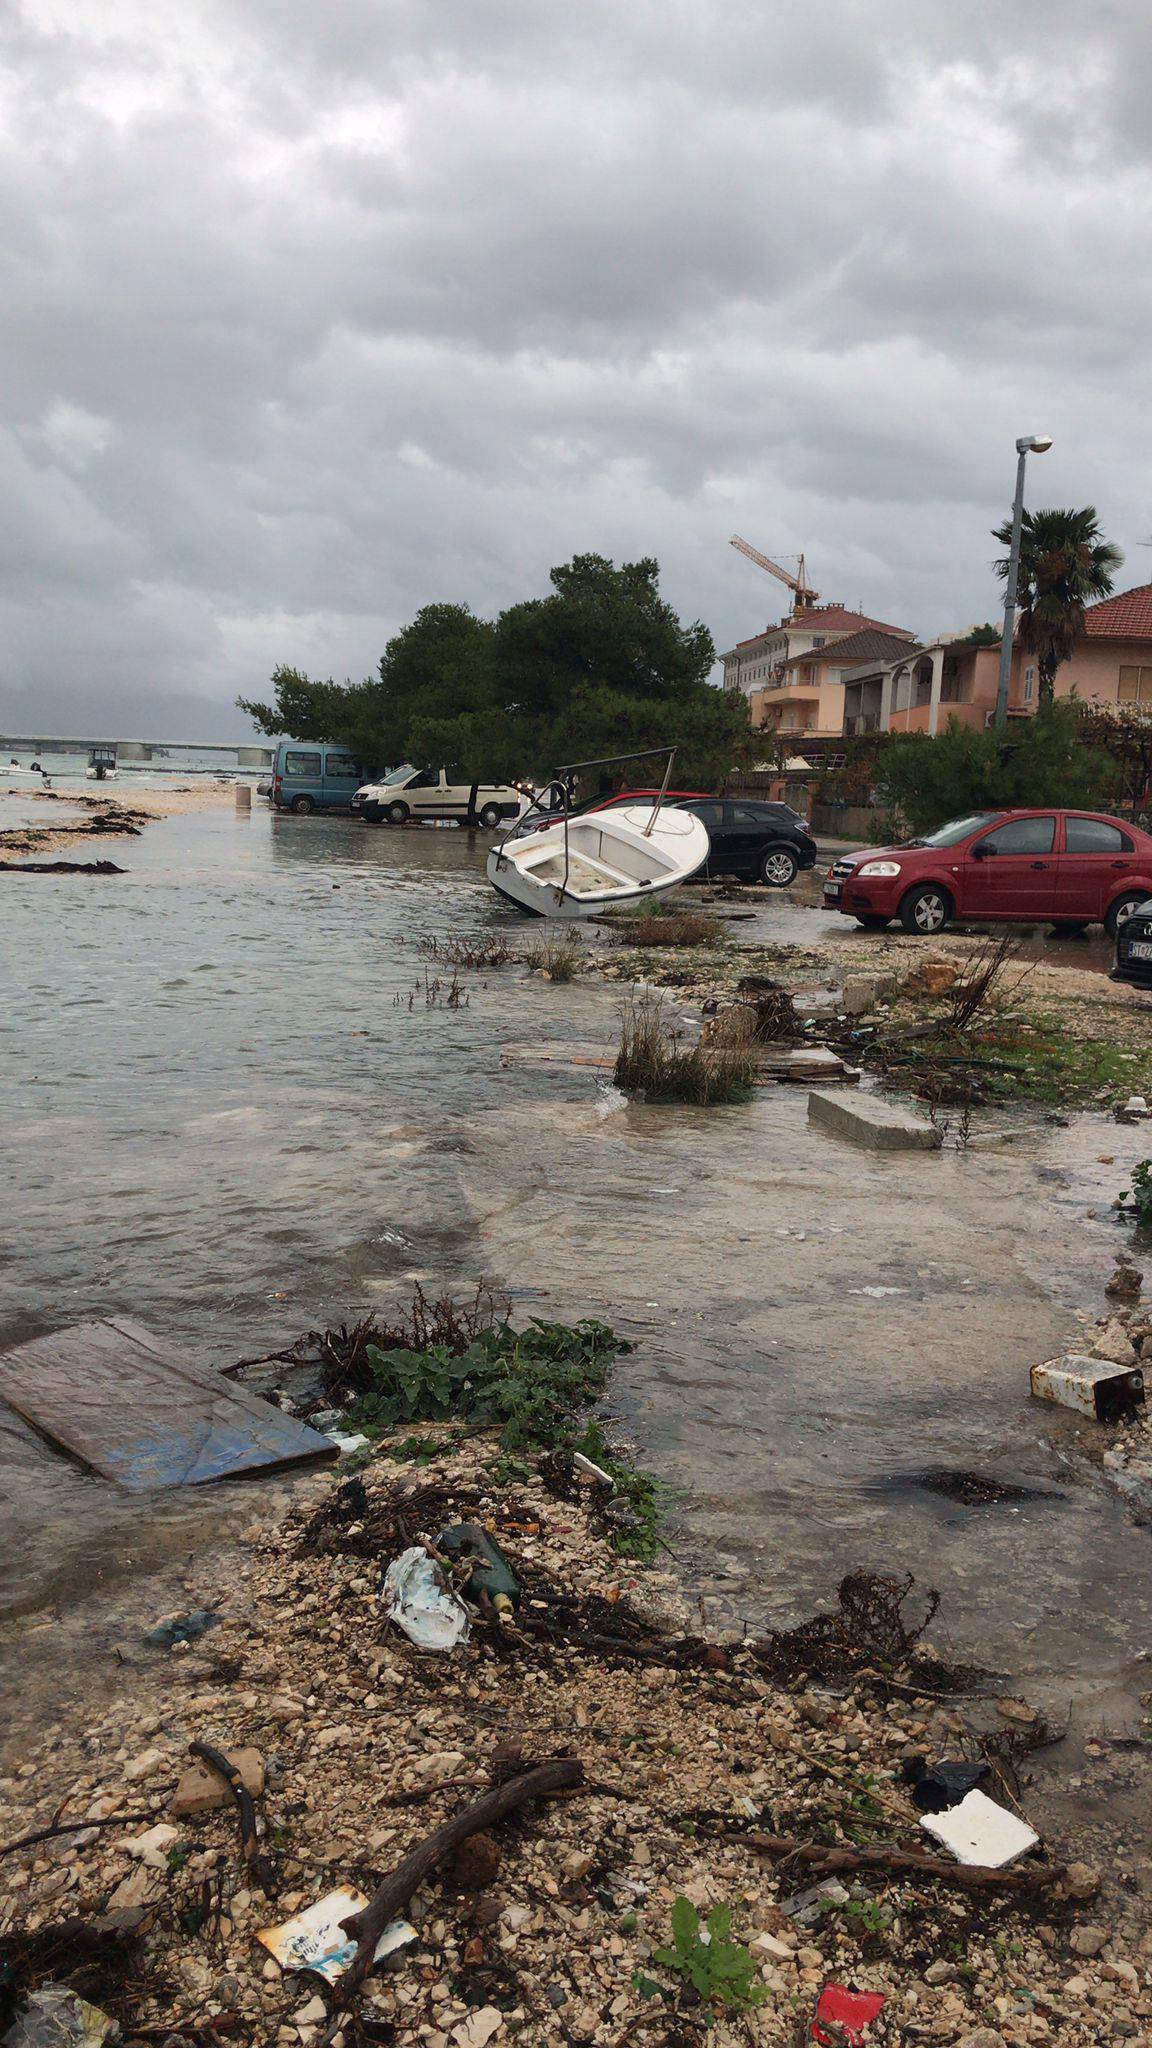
x=314 y=315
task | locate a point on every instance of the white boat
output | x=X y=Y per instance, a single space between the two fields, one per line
x=14 y=774
x=584 y=864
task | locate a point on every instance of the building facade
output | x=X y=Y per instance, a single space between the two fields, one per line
x=792 y=674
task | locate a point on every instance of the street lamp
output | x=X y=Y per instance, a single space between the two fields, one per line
x=1028 y=444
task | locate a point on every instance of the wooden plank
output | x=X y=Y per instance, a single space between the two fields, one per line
x=127 y=1404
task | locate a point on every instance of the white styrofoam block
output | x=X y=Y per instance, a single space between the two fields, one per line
x=979 y=1831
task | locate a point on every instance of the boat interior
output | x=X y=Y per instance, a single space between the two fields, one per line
x=597 y=861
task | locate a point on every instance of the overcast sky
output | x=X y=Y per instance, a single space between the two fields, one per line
x=314 y=313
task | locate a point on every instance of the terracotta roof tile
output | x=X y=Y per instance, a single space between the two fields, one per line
x=1126 y=617
x=872 y=643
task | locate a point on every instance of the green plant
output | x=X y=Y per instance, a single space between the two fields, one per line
x=644 y=1497
x=1139 y=1195
x=529 y=1384
x=1033 y=762
x=723 y=1972
x=651 y=1062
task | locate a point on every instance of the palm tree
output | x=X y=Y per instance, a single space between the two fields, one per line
x=1064 y=566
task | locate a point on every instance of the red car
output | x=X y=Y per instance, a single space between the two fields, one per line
x=1065 y=868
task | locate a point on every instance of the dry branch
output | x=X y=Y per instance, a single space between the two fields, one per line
x=827 y=1861
x=390 y=1897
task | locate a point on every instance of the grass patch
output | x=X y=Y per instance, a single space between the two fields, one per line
x=686 y=928
x=558 y=956
x=654 y=1062
x=1031 y=1058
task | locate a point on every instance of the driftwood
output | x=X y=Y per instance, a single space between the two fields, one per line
x=390 y=1897
x=250 y=1849
x=828 y=1861
x=75 y=1827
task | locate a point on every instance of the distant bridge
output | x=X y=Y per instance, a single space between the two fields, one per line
x=140 y=750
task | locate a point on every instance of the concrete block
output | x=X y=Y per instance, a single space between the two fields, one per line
x=862 y=992
x=866 y=1120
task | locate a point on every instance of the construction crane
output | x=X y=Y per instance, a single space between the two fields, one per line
x=802 y=590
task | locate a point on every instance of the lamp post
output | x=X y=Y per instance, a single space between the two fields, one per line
x=1028 y=444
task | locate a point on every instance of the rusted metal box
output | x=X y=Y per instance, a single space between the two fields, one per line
x=1094 y=1386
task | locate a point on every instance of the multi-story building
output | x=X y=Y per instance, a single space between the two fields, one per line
x=956 y=676
x=792 y=674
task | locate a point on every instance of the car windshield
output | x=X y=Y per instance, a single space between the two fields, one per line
x=955 y=830
x=396 y=775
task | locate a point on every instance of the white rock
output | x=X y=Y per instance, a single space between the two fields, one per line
x=478 y=2028
x=310 y=2015
x=143 y=1766
x=771 y=1945
x=152 y=1847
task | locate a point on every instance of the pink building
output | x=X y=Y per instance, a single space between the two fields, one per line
x=1112 y=661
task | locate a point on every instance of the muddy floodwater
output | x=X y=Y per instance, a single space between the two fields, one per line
x=235 y=1104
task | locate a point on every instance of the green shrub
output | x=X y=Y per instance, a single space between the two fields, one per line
x=529 y=1384
x=723 y=1972
x=1139 y=1196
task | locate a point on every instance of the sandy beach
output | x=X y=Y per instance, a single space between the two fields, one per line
x=101 y=816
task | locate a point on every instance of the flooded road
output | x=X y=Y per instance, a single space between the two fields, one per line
x=234 y=1104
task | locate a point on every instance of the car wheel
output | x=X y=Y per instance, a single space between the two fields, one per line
x=398 y=814
x=779 y=868
x=1123 y=907
x=872 y=924
x=490 y=817
x=303 y=806
x=926 y=911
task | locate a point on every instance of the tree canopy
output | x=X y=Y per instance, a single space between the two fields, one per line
x=602 y=665
x=1065 y=565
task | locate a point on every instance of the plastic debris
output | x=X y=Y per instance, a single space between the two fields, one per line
x=592 y=1471
x=845 y=2016
x=491 y=1572
x=1094 y=1386
x=806 y=1907
x=418 y=1598
x=979 y=1831
x=181 y=1628
x=347 y=1445
x=315 y=1939
x=936 y=1787
x=55 y=2017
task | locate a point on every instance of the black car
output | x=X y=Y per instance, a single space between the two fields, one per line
x=754 y=841
x=1134 y=947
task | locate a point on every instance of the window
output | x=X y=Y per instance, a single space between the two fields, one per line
x=710 y=813
x=302 y=766
x=750 y=814
x=343 y=766
x=1092 y=835
x=1021 y=835
x=818 y=639
x=1135 y=686
x=429 y=780
x=1029 y=684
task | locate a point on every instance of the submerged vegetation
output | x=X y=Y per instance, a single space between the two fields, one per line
x=682 y=928
x=528 y=1384
x=654 y=1062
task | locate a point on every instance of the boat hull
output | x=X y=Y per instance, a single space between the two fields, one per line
x=610 y=861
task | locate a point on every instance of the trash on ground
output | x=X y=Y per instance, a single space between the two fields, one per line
x=978 y=1831
x=418 y=1598
x=806 y=1907
x=491 y=1572
x=315 y=1939
x=181 y=1628
x=126 y=1403
x=347 y=1445
x=55 y=2017
x=937 y=1786
x=1133 y=1111
x=592 y=1471
x=1094 y=1386
x=845 y=2016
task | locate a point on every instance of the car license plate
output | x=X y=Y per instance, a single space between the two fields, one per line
x=1140 y=949
x=832 y=889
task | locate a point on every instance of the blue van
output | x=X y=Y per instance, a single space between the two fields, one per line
x=310 y=776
